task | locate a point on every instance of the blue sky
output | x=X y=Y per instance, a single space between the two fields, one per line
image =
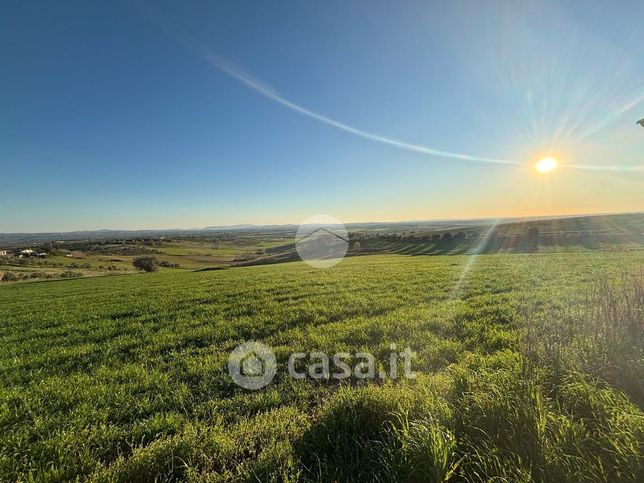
x=115 y=115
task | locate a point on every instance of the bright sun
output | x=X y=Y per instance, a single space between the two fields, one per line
x=546 y=165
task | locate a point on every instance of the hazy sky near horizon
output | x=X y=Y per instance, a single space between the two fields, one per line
x=187 y=114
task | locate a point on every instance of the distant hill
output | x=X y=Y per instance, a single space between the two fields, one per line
x=592 y=223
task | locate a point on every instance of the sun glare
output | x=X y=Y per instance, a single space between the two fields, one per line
x=546 y=165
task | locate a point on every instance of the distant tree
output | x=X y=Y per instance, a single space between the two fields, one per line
x=635 y=233
x=70 y=274
x=166 y=264
x=461 y=235
x=436 y=236
x=146 y=264
x=587 y=240
x=491 y=240
x=533 y=233
x=533 y=238
x=356 y=246
x=9 y=277
x=448 y=235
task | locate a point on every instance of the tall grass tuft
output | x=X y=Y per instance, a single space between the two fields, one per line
x=601 y=333
x=427 y=450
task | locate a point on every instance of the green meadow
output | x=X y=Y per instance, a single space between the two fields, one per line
x=529 y=367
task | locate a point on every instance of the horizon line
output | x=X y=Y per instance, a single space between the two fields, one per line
x=353 y=223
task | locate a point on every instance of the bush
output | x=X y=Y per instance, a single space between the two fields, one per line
x=146 y=264
x=166 y=264
x=70 y=274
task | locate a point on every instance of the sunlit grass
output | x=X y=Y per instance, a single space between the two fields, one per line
x=124 y=378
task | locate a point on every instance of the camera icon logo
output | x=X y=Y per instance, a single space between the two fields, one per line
x=252 y=365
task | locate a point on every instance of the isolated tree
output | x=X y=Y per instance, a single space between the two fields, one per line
x=448 y=235
x=356 y=246
x=146 y=264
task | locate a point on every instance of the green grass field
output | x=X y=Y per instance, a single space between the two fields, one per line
x=124 y=378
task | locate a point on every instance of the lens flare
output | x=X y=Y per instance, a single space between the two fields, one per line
x=546 y=165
